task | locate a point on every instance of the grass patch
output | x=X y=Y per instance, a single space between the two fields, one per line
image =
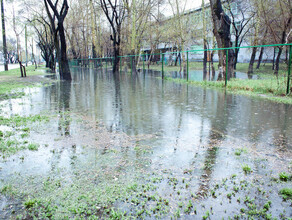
x=286 y=193
x=246 y=169
x=284 y=176
x=33 y=147
x=271 y=89
x=239 y=151
x=9 y=141
x=11 y=82
x=30 y=71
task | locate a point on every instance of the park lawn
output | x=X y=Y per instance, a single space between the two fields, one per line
x=269 y=88
x=265 y=70
x=11 y=82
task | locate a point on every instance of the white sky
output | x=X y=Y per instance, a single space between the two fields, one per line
x=190 y=4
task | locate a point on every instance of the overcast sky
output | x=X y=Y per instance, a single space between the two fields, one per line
x=189 y=4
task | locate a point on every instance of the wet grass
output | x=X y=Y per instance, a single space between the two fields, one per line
x=264 y=71
x=246 y=169
x=14 y=137
x=131 y=197
x=272 y=89
x=283 y=176
x=117 y=185
x=11 y=82
x=286 y=193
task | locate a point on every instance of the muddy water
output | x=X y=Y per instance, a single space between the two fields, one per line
x=140 y=128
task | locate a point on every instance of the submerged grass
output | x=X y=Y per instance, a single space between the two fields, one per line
x=10 y=142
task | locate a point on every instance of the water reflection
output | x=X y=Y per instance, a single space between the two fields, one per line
x=181 y=117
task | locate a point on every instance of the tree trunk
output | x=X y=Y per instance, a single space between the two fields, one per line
x=274 y=55
x=251 y=62
x=116 y=65
x=278 y=61
x=205 y=61
x=63 y=62
x=212 y=65
x=260 y=57
x=221 y=31
x=4 y=37
x=236 y=57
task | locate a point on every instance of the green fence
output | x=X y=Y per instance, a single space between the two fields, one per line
x=189 y=65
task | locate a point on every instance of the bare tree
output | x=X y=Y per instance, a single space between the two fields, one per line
x=239 y=23
x=60 y=15
x=221 y=31
x=115 y=14
x=278 y=25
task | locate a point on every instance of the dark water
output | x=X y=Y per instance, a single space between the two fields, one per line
x=189 y=127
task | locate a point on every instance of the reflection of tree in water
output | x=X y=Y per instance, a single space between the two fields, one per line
x=118 y=107
x=64 y=109
x=217 y=134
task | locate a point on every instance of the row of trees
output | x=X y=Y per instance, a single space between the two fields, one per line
x=101 y=28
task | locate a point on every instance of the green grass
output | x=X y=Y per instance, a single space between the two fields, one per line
x=264 y=70
x=286 y=193
x=246 y=168
x=10 y=82
x=33 y=147
x=30 y=71
x=284 y=176
x=271 y=89
x=268 y=86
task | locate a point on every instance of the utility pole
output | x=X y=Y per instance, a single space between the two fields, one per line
x=4 y=37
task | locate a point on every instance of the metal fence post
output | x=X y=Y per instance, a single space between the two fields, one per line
x=162 y=66
x=226 y=75
x=187 y=66
x=289 y=70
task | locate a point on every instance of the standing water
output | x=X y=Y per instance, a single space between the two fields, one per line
x=137 y=146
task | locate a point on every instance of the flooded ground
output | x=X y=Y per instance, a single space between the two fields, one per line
x=139 y=147
x=197 y=75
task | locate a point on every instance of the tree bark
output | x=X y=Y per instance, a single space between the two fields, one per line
x=251 y=62
x=205 y=61
x=4 y=37
x=260 y=57
x=274 y=55
x=278 y=61
x=63 y=62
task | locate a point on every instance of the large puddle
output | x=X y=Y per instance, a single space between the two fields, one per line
x=137 y=146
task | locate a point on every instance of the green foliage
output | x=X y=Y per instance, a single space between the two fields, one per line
x=284 y=176
x=207 y=214
x=29 y=203
x=286 y=193
x=33 y=147
x=246 y=168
